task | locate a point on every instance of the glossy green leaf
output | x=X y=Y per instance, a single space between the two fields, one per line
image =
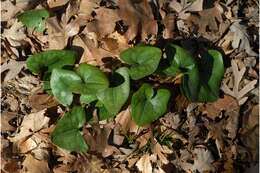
x=87 y=98
x=34 y=19
x=114 y=98
x=211 y=74
x=95 y=80
x=182 y=62
x=146 y=106
x=200 y=82
x=144 y=60
x=63 y=83
x=50 y=59
x=67 y=132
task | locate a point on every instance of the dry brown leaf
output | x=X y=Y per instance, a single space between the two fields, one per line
x=236 y=92
x=93 y=52
x=86 y=7
x=237 y=38
x=56 y=36
x=15 y=34
x=36 y=145
x=13 y=67
x=114 y=43
x=169 y=24
x=125 y=121
x=98 y=138
x=227 y=104
x=137 y=14
x=56 y=3
x=86 y=56
x=8 y=10
x=31 y=123
x=143 y=139
x=160 y=151
x=25 y=85
x=183 y=7
x=118 y=139
x=40 y=101
x=171 y=120
x=203 y=160
x=250 y=132
x=110 y=150
x=159 y=170
x=144 y=164
x=105 y=26
x=5 y=119
x=12 y=166
x=32 y=165
x=61 y=169
x=240 y=38
x=209 y=22
x=13 y=103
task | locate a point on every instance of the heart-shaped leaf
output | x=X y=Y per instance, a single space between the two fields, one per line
x=95 y=80
x=87 y=98
x=182 y=62
x=50 y=59
x=144 y=60
x=114 y=98
x=211 y=74
x=146 y=106
x=200 y=83
x=63 y=84
x=67 y=134
x=34 y=19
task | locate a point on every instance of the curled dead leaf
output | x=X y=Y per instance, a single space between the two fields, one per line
x=144 y=164
x=30 y=165
x=31 y=123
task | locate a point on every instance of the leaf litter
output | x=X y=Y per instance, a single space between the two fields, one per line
x=204 y=137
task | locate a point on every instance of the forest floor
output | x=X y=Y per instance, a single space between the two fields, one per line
x=221 y=136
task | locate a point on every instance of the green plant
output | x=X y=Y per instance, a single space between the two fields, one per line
x=200 y=83
x=34 y=19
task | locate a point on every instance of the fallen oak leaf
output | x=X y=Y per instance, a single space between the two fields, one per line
x=125 y=121
x=31 y=124
x=203 y=160
x=6 y=117
x=237 y=93
x=137 y=15
x=209 y=22
x=105 y=26
x=30 y=165
x=56 y=3
x=40 y=101
x=183 y=7
x=160 y=151
x=241 y=38
x=9 y=10
x=15 y=34
x=227 y=104
x=144 y=164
